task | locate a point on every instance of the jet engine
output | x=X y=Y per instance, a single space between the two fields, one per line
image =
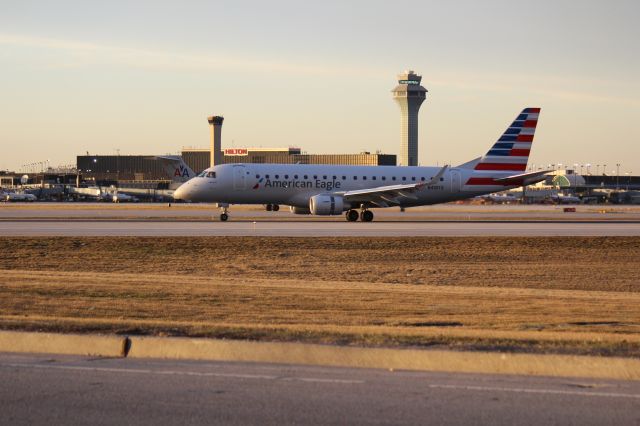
x=326 y=205
x=299 y=210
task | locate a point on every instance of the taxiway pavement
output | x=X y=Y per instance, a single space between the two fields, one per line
x=314 y=228
x=53 y=389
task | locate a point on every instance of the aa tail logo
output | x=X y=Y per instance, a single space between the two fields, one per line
x=181 y=171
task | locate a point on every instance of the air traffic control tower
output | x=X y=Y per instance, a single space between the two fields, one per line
x=409 y=95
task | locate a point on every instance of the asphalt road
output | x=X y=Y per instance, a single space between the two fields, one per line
x=40 y=389
x=302 y=228
x=152 y=211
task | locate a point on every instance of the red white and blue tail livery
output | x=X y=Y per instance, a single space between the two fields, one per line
x=332 y=190
x=509 y=155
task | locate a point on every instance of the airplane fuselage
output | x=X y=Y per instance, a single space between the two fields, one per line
x=295 y=184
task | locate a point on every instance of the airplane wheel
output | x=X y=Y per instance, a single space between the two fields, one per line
x=276 y=207
x=224 y=217
x=366 y=216
x=352 y=215
x=269 y=207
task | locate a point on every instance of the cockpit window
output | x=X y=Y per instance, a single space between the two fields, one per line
x=211 y=175
x=202 y=174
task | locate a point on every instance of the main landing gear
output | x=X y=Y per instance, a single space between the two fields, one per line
x=364 y=215
x=272 y=207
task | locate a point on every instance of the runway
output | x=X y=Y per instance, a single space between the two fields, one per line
x=75 y=390
x=95 y=219
x=314 y=228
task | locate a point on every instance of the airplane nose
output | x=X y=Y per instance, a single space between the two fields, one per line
x=181 y=193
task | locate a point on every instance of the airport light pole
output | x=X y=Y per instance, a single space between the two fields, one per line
x=588 y=165
x=117 y=167
x=617 y=176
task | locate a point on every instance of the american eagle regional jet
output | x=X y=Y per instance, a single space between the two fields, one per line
x=332 y=190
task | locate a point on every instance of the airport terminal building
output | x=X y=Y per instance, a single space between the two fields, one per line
x=148 y=168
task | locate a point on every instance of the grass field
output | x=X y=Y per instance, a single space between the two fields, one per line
x=566 y=295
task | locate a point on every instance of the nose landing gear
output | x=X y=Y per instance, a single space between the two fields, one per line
x=224 y=212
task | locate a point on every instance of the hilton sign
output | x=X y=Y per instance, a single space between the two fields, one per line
x=236 y=151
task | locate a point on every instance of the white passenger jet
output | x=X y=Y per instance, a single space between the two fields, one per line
x=332 y=190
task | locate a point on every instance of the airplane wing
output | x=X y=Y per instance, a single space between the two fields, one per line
x=524 y=178
x=392 y=195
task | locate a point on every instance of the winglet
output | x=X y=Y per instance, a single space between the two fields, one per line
x=437 y=177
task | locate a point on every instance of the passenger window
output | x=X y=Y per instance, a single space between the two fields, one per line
x=276 y=176
x=364 y=178
x=413 y=179
x=306 y=177
x=315 y=176
x=441 y=179
x=422 y=178
x=324 y=177
x=404 y=178
x=295 y=176
x=373 y=178
x=267 y=176
x=384 y=178
x=334 y=178
x=286 y=176
x=257 y=176
x=344 y=178
x=393 y=178
x=355 y=178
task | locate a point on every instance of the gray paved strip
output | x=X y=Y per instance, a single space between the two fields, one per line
x=45 y=389
x=316 y=228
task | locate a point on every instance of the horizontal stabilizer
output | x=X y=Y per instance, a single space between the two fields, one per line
x=524 y=178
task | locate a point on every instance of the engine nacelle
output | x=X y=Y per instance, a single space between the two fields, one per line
x=299 y=210
x=326 y=205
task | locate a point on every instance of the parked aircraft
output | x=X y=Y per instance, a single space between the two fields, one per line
x=19 y=196
x=506 y=198
x=332 y=190
x=566 y=199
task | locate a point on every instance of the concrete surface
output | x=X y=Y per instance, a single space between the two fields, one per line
x=44 y=390
x=21 y=211
x=314 y=228
x=71 y=344
x=405 y=359
x=328 y=355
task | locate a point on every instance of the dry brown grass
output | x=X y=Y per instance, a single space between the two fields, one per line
x=606 y=264
x=537 y=294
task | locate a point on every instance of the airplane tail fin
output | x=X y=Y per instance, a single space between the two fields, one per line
x=511 y=151
x=510 y=154
x=175 y=167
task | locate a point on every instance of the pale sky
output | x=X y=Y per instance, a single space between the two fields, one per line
x=142 y=76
